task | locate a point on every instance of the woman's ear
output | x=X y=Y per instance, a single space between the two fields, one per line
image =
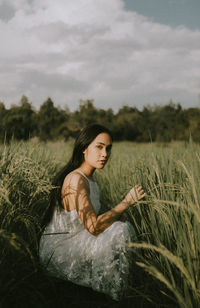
x=84 y=151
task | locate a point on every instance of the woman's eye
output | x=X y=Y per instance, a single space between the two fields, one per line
x=99 y=147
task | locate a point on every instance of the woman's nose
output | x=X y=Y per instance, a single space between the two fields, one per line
x=104 y=152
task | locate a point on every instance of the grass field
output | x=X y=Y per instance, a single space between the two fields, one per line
x=167 y=266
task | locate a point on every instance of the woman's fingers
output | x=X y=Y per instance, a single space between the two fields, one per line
x=139 y=192
x=135 y=194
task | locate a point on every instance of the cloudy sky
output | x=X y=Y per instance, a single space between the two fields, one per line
x=117 y=52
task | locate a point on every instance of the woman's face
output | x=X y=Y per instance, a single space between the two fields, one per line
x=98 y=152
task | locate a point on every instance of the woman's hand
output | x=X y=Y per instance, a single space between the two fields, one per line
x=135 y=194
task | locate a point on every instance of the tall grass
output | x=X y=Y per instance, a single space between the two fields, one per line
x=25 y=181
x=167 y=221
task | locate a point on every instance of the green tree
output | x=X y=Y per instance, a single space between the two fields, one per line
x=86 y=114
x=125 y=124
x=49 y=120
x=18 y=121
x=193 y=127
x=2 y=116
x=169 y=121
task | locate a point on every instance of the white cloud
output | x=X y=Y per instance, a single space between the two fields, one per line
x=81 y=49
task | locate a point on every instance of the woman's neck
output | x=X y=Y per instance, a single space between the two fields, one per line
x=87 y=170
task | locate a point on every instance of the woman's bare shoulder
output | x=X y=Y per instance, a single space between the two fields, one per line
x=74 y=185
x=76 y=180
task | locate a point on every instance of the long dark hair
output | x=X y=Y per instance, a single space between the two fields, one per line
x=85 y=137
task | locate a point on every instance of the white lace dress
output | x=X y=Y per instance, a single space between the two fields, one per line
x=69 y=251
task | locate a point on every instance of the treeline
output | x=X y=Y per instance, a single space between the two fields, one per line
x=153 y=123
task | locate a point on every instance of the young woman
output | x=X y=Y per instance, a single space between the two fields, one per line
x=78 y=244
